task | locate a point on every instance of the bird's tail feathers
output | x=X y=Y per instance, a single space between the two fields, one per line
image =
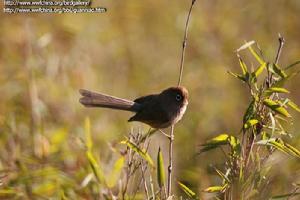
x=93 y=99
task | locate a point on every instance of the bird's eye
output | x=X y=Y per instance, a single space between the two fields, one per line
x=178 y=97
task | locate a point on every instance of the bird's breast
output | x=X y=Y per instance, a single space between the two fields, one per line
x=180 y=114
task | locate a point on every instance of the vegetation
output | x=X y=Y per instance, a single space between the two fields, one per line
x=239 y=138
x=245 y=174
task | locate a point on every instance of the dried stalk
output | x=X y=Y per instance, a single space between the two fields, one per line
x=171 y=138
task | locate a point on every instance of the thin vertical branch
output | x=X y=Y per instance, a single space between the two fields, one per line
x=171 y=138
x=170 y=167
x=184 y=43
x=281 y=43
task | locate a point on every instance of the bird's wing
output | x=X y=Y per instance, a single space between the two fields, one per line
x=145 y=99
x=151 y=113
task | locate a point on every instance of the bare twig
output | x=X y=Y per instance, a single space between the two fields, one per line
x=185 y=42
x=143 y=172
x=281 y=43
x=171 y=139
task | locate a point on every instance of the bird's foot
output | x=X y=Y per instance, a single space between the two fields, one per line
x=168 y=136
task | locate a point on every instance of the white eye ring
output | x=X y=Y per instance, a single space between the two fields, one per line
x=178 y=97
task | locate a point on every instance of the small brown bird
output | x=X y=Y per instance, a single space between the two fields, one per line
x=157 y=110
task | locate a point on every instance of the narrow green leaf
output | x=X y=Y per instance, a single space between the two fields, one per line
x=215 y=142
x=187 y=190
x=281 y=146
x=250 y=111
x=277 y=90
x=282 y=81
x=276 y=107
x=213 y=189
x=293 y=105
x=260 y=69
x=237 y=76
x=89 y=144
x=115 y=174
x=95 y=167
x=141 y=152
x=160 y=169
x=257 y=57
x=277 y=70
x=250 y=123
x=88 y=137
x=243 y=66
x=292 y=65
x=235 y=145
x=293 y=150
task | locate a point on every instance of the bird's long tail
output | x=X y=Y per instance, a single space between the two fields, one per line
x=93 y=99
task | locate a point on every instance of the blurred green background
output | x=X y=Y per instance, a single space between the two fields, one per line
x=132 y=50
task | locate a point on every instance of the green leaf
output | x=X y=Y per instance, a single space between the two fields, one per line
x=250 y=123
x=141 y=152
x=243 y=66
x=292 y=150
x=88 y=137
x=91 y=158
x=213 y=189
x=276 y=107
x=282 y=81
x=277 y=90
x=250 y=111
x=215 y=142
x=187 y=190
x=274 y=68
x=160 y=169
x=235 y=145
x=115 y=174
x=257 y=57
x=281 y=146
x=237 y=76
x=260 y=69
x=292 y=65
x=95 y=167
x=293 y=105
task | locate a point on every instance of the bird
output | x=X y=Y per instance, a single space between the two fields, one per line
x=159 y=111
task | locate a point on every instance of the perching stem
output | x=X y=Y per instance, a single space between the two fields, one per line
x=170 y=167
x=184 y=43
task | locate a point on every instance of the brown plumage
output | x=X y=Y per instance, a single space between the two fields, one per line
x=157 y=110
